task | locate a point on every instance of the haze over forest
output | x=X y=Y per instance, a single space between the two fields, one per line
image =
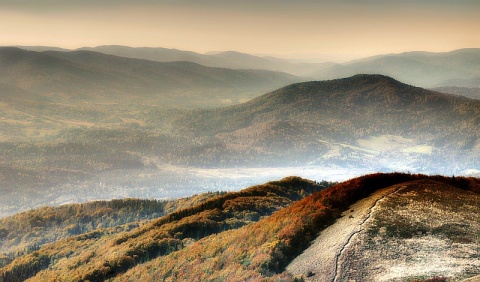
x=193 y=57
x=152 y=57
x=228 y=140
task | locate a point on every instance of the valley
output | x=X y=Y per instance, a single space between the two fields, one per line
x=332 y=130
x=154 y=164
x=230 y=141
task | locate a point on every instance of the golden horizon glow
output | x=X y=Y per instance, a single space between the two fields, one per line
x=259 y=27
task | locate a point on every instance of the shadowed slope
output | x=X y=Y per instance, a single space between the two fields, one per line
x=96 y=77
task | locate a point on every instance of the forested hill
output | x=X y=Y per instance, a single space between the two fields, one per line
x=362 y=122
x=368 y=103
x=106 y=252
x=87 y=76
x=25 y=232
x=363 y=117
x=220 y=239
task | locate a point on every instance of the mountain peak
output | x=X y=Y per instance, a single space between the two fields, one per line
x=371 y=79
x=360 y=86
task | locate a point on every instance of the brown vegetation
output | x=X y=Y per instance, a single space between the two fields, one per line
x=263 y=249
x=167 y=248
x=104 y=253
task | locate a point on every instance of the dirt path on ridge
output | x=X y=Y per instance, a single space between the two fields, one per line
x=322 y=260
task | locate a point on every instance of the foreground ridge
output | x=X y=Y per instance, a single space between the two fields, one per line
x=221 y=238
x=360 y=229
x=409 y=232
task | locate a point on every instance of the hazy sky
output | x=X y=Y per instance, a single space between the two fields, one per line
x=354 y=27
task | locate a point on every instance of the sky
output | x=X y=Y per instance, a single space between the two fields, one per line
x=295 y=28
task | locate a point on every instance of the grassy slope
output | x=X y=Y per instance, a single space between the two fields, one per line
x=413 y=230
x=427 y=229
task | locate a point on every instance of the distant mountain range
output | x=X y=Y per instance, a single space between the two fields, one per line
x=459 y=68
x=96 y=77
x=472 y=92
x=228 y=59
x=424 y=69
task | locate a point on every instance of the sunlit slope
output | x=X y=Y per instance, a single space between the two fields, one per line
x=122 y=250
x=220 y=239
x=27 y=231
x=264 y=249
x=414 y=230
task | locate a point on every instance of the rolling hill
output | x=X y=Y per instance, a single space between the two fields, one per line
x=364 y=120
x=227 y=59
x=162 y=235
x=86 y=76
x=424 y=69
x=458 y=68
x=472 y=92
x=256 y=233
x=361 y=124
x=27 y=231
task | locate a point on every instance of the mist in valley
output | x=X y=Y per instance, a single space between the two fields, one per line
x=228 y=140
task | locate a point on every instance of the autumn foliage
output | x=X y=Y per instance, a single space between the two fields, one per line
x=107 y=253
x=217 y=240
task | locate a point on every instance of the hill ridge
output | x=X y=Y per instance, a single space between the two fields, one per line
x=425 y=69
x=97 y=78
x=168 y=233
x=289 y=231
x=406 y=207
x=259 y=249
